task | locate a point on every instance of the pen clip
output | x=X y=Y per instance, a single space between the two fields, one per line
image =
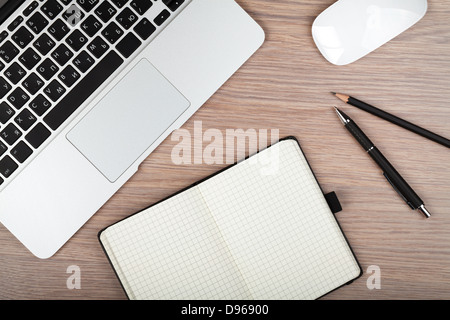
x=398 y=191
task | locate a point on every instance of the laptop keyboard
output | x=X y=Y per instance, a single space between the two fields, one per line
x=54 y=55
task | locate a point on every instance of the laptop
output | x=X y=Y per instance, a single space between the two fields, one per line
x=90 y=88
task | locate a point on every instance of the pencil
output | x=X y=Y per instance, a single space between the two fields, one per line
x=393 y=119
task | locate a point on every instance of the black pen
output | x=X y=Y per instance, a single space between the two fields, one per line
x=394 y=178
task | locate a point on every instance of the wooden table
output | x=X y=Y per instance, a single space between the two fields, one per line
x=286 y=86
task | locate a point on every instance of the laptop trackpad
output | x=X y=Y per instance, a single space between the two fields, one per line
x=126 y=122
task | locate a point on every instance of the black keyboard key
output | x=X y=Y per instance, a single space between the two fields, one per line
x=87 y=5
x=30 y=8
x=51 y=9
x=3 y=36
x=37 y=136
x=2 y=65
x=119 y=3
x=7 y=166
x=18 y=98
x=47 y=69
x=22 y=37
x=98 y=47
x=44 y=44
x=62 y=54
x=29 y=58
x=10 y=134
x=40 y=105
x=66 y=2
x=76 y=40
x=144 y=29
x=99 y=74
x=91 y=25
x=141 y=6
x=21 y=152
x=13 y=25
x=54 y=90
x=126 y=18
x=8 y=51
x=128 y=45
x=3 y=148
x=58 y=29
x=69 y=76
x=173 y=4
x=37 y=22
x=73 y=15
x=105 y=11
x=15 y=73
x=6 y=112
x=5 y=87
x=33 y=83
x=159 y=20
x=112 y=32
x=25 y=119
x=83 y=61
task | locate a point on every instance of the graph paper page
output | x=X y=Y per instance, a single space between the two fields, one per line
x=278 y=227
x=173 y=250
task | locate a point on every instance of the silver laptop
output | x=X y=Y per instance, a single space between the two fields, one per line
x=89 y=88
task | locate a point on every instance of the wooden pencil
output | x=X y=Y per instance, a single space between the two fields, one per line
x=393 y=119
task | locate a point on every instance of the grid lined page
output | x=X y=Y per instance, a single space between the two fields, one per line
x=174 y=250
x=278 y=226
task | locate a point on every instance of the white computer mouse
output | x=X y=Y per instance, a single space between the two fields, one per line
x=350 y=29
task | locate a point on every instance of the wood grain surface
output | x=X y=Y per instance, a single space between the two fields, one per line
x=286 y=86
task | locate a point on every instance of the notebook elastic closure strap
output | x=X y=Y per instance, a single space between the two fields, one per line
x=333 y=202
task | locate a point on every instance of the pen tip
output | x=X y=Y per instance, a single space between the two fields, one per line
x=333 y=92
x=342 y=116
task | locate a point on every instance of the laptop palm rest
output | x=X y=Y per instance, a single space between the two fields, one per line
x=126 y=122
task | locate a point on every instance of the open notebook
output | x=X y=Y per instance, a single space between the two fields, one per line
x=261 y=229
